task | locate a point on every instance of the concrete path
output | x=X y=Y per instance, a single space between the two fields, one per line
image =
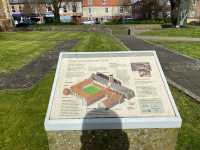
x=181 y=71
x=173 y=39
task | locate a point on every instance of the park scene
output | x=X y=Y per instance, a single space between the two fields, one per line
x=34 y=33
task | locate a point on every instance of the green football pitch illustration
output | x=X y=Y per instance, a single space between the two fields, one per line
x=91 y=89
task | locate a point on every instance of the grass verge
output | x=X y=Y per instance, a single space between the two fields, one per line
x=22 y=112
x=191 y=49
x=190 y=31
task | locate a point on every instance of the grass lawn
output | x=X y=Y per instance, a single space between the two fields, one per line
x=191 y=31
x=22 y=112
x=189 y=135
x=22 y=115
x=191 y=49
x=20 y=48
x=60 y=27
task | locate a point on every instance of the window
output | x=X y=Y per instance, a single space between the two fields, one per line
x=20 y=9
x=90 y=2
x=69 y=8
x=106 y=10
x=49 y=8
x=13 y=8
x=65 y=8
x=192 y=13
x=104 y=2
x=90 y=10
x=121 y=10
x=74 y=7
x=194 y=2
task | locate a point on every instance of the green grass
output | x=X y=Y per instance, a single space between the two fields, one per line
x=91 y=89
x=15 y=54
x=22 y=114
x=191 y=49
x=189 y=135
x=98 y=42
x=173 y=32
x=20 y=48
x=61 y=27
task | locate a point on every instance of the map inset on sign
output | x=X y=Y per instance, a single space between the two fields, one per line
x=100 y=87
x=130 y=86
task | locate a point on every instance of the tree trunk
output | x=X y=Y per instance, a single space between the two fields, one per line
x=56 y=6
x=174 y=11
x=183 y=12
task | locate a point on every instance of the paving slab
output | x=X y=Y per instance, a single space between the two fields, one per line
x=181 y=71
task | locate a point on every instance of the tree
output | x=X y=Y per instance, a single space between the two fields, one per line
x=174 y=11
x=179 y=11
x=33 y=7
x=56 y=6
x=35 y=4
x=150 y=8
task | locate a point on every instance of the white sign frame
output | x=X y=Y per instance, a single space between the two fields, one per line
x=109 y=123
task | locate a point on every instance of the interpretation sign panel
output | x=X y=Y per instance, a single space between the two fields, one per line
x=130 y=84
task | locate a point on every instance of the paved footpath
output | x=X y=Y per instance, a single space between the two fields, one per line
x=31 y=73
x=181 y=71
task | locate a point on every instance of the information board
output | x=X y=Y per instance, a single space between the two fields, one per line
x=131 y=84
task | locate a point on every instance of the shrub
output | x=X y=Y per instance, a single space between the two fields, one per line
x=139 y=21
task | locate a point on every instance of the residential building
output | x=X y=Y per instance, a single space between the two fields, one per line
x=103 y=10
x=194 y=14
x=97 y=10
x=28 y=7
x=71 y=11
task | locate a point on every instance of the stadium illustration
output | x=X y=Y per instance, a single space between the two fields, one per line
x=101 y=88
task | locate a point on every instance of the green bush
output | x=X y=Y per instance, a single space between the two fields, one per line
x=195 y=23
x=138 y=21
x=114 y=21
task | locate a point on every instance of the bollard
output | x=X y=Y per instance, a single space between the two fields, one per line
x=129 y=32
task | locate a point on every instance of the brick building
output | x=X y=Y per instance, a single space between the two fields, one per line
x=77 y=10
x=103 y=10
x=72 y=11
x=69 y=11
x=27 y=7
